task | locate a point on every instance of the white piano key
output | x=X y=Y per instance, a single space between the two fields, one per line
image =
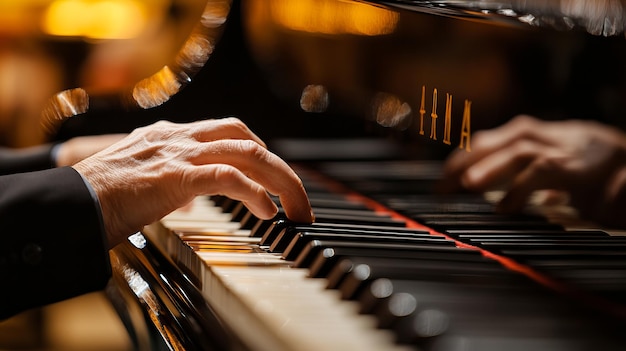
x=283 y=309
x=271 y=305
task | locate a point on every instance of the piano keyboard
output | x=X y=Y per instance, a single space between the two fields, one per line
x=434 y=273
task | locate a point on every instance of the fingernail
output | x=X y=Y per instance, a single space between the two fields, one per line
x=274 y=211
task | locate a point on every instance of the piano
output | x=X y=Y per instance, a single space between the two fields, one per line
x=369 y=97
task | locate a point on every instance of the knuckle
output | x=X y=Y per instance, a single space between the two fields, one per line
x=253 y=149
x=525 y=126
x=524 y=148
x=233 y=122
x=545 y=165
x=523 y=118
x=232 y=119
x=237 y=123
x=157 y=130
x=524 y=121
x=162 y=123
x=480 y=139
x=224 y=175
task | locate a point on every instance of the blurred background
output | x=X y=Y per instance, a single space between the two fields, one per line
x=104 y=47
x=85 y=323
x=291 y=69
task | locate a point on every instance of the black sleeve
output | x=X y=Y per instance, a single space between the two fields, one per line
x=52 y=245
x=25 y=160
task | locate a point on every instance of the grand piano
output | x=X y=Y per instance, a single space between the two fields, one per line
x=365 y=99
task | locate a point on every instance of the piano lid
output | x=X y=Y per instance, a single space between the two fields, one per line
x=425 y=68
x=605 y=17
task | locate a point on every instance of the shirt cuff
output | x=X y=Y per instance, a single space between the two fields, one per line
x=98 y=207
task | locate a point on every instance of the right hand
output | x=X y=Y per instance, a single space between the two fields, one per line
x=584 y=159
x=161 y=167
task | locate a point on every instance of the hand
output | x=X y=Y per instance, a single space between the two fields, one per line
x=162 y=167
x=79 y=148
x=585 y=159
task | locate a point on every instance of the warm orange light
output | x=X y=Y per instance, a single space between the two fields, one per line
x=18 y=17
x=333 y=17
x=156 y=89
x=96 y=19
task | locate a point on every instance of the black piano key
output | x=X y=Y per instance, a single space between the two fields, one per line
x=560 y=253
x=397 y=187
x=466 y=218
x=445 y=225
x=465 y=234
x=483 y=340
x=495 y=220
x=535 y=238
x=249 y=221
x=524 y=231
x=589 y=246
x=547 y=242
x=292 y=249
x=218 y=200
x=284 y=240
x=276 y=227
x=475 y=296
x=550 y=263
x=238 y=212
x=261 y=227
x=423 y=204
x=340 y=202
x=458 y=299
x=434 y=329
x=357 y=219
x=364 y=270
x=607 y=282
x=226 y=204
x=320 y=202
x=491 y=216
x=471 y=311
x=324 y=194
x=348 y=212
x=320 y=256
x=511 y=233
x=390 y=170
x=597 y=279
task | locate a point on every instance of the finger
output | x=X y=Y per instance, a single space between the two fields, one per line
x=229 y=181
x=523 y=127
x=551 y=197
x=264 y=167
x=459 y=160
x=501 y=166
x=485 y=143
x=223 y=128
x=544 y=173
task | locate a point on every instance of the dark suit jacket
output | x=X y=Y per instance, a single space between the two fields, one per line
x=51 y=239
x=26 y=159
